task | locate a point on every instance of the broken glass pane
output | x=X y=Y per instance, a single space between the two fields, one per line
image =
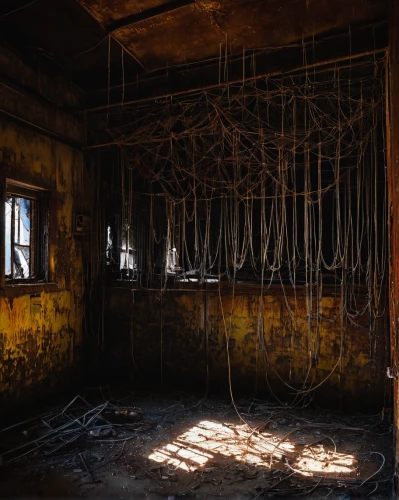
x=8 y=213
x=22 y=221
x=127 y=256
x=171 y=260
x=21 y=262
x=17 y=237
x=110 y=247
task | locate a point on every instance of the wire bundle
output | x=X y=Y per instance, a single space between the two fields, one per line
x=275 y=181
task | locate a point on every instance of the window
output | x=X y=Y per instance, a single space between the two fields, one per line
x=127 y=260
x=127 y=250
x=26 y=232
x=172 y=261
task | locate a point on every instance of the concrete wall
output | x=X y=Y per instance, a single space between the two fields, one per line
x=188 y=328
x=41 y=324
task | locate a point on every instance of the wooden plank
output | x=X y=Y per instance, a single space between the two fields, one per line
x=148 y=14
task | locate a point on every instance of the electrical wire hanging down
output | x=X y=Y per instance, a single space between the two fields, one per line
x=278 y=181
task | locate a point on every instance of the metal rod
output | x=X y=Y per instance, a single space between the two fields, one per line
x=249 y=287
x=233 y=82
x=154 y=78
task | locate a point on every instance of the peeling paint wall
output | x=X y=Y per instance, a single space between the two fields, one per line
x=41 y=324
x=189 y=330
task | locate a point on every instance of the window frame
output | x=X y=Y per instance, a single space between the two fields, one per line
x=39 y=240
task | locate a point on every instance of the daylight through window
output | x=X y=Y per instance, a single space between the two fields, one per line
x=26 y=233
x=19 y=217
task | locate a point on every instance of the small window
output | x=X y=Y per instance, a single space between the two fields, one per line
x=25 y=234
x=127 y=250
x=120 y=254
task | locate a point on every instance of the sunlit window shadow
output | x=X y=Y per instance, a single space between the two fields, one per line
x=207 y=440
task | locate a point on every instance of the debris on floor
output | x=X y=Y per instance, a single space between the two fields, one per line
x=48 y=433
x=178 y=446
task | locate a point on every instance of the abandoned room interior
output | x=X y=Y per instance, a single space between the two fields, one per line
x=199 y=249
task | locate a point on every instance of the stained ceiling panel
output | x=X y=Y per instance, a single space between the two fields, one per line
x=156 y=42
x=194 y=32
x=158 y=34
x=270 y=23
x=107 y=11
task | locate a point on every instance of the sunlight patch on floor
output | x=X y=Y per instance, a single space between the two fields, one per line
x=203 y=442
x=315 y=459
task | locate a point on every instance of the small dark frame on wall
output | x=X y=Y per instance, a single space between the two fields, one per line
x=81 y=224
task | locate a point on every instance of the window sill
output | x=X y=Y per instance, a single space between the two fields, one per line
x=227 y=287
x=19 y=289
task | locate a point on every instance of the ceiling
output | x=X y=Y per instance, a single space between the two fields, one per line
x=97 y=42
x=196 y=28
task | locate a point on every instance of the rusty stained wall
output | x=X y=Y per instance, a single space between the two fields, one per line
x=194 y=342
x=40 y=326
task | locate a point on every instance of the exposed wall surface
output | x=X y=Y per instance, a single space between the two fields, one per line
x=190 y=332
x=393 y=184
x=41 y=324
x=30 y=94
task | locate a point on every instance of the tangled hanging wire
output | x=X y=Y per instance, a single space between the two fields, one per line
x=275 y=181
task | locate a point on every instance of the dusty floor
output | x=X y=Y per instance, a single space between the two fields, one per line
x=183 y=447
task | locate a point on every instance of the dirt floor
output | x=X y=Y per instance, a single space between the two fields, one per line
x=177 y=446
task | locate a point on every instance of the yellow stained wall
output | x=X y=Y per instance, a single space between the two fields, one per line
x=40 y=325
x=190 y=331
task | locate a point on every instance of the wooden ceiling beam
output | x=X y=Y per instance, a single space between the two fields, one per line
x=148 y=14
